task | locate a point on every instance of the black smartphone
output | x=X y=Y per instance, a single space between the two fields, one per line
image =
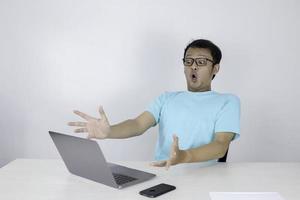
x=157 y=190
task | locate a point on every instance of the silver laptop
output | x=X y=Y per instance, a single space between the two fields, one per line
x=83 y=157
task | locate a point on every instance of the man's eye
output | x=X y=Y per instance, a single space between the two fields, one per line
x=188 y=61
x=201 y=62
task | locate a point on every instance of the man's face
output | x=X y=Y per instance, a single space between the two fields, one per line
x=199 y=77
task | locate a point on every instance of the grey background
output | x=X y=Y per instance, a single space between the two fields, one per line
x=56 y=56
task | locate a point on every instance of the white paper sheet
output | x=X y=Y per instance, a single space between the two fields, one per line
x=245 y=196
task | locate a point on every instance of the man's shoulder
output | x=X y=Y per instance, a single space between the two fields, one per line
x=170 y=93
x=229 y=97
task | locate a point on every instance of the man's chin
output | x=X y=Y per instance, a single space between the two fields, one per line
x=194 y=84
x=192 y=88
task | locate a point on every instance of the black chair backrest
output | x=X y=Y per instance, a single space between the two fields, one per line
x=224 y=158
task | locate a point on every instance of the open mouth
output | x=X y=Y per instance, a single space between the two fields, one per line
x=194 y=77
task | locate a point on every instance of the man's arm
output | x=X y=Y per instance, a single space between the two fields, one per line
x=100 y=128
x=214 y=150
x=132 y=127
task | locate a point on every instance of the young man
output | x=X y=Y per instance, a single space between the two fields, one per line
x=194 y=126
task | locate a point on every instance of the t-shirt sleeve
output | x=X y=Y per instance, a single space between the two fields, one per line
x=228 y=118
x=155 y=107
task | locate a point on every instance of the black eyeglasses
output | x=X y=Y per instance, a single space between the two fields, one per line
x=199 y=61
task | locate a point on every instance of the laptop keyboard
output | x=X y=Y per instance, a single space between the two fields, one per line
x=122 y=179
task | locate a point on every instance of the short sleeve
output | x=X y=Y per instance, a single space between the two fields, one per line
x=156 y=105
x=228 y=118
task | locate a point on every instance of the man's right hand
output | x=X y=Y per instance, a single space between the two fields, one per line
x=96 y=128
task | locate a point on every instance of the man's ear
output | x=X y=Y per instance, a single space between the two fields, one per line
x=216 y=69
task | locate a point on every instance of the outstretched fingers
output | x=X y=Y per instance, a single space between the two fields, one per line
x=81 y=130
x=174 y=147
x=159 y=163
x=102 y=113
x=83 y=115
x=80 y=124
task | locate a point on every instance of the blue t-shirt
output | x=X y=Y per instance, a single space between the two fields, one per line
x=194 y=117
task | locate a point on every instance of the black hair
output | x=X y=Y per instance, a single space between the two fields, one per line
x=206 y=44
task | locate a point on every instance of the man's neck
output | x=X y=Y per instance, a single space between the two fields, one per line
x=200 y=90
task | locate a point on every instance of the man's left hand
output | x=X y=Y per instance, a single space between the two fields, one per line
x=176 y=156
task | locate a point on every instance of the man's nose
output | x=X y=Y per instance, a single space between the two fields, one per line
x=194 y=66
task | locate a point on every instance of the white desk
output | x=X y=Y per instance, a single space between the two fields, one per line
x=29 y=179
